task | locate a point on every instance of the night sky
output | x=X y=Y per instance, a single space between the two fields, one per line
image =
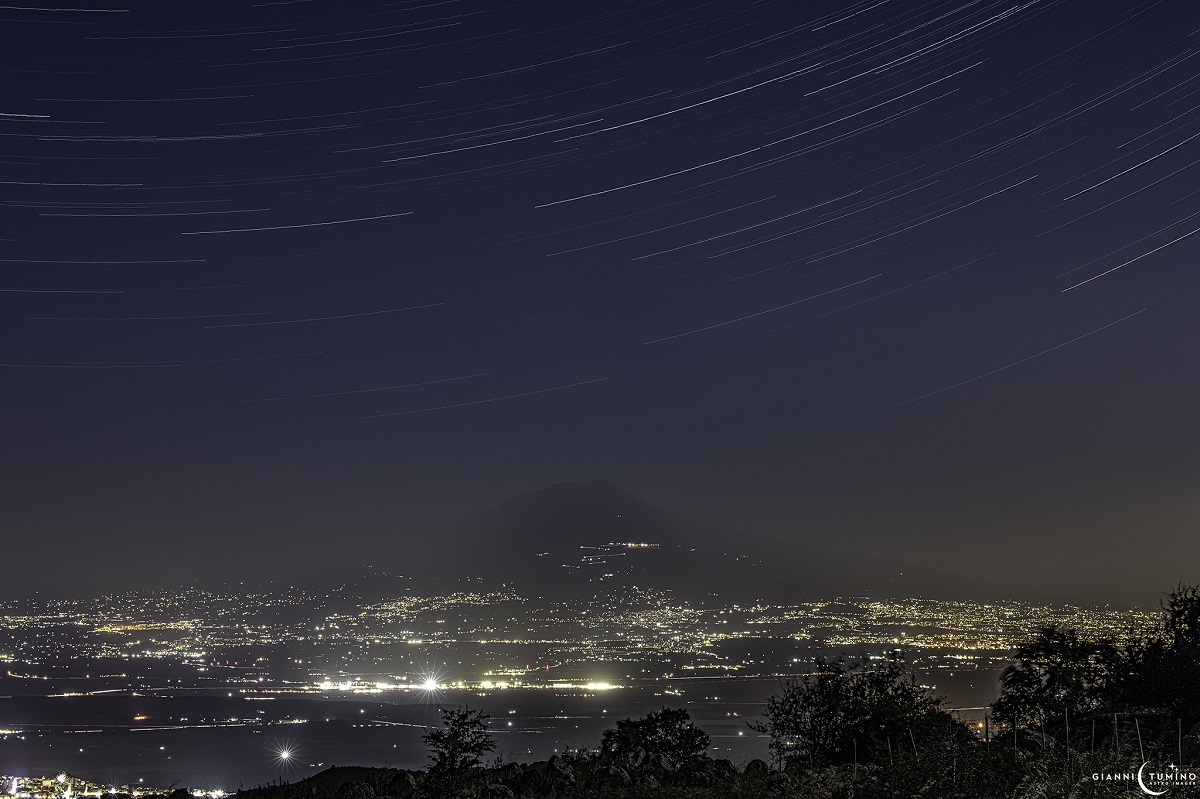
x=316 y=278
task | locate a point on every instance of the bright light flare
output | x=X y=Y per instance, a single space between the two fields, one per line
x=286 y=754
x=431 y=680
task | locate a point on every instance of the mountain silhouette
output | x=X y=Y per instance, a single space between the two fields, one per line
x=578 y=540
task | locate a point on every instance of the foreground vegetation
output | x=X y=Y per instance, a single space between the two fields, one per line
x=1069 y=709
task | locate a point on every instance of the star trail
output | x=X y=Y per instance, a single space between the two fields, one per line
x=910 y=277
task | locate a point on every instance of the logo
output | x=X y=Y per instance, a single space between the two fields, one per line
x=1153 y=782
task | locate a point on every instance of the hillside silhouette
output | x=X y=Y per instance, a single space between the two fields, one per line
x=581 y=539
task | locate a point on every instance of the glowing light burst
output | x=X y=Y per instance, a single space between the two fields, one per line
x=431 y=684
x=431 y=680
x=285 y=753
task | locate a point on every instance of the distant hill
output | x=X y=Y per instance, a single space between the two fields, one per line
x=583 y=539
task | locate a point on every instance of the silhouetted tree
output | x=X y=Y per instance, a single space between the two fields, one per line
x=457 y=749
x=664 y=741
x=1169 y=671
x=845 y=713
x=1058 y=675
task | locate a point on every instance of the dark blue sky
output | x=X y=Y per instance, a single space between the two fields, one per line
x=908 y=277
